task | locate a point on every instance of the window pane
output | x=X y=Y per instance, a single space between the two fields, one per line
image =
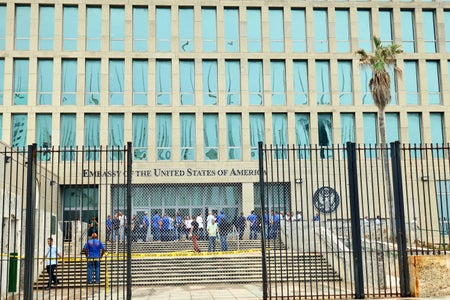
x=231 y=29
x=298 y=20
x=93 y=77
x=210 y=136
x=279 y=138
x=411 y=82
x=70 y=27
x=408 y=36
x=429 y=32
x=345 y=77
x=2 y=79
x=437 y=132
x=92 y=135
x=446 y=24
x=209 y=81
x=434 y=89
x=163 y=29
x=140 y=82
x=392 y=127
x=365 y=76
x=186 y=29
x=187 y=82
x=323 y=82
x=163 y=82
x=209 y=30
x=19 y=130
x=140 y=28
x=233 y=82
x=117 y=29
x=69 y=82
x=320 y=30
x=347 y=128
x=21 y=81
x=22 y=27
x=255 y=82
x=386 y=29
x=302 y=133
x=256 y=133
x=364 y=30
x=46 y=27
x=93 y=28
x=325 y=134
x=300 y=82
x=45 y=82
x=2 y=26
x=234 y=137
x=68 y=135
x=342 y=30
x=254 y=30
x=140 y=136
x=370 y=133
x=116 y=81
x=278 y=78
x=276 y=30
x=44 y=134
x=115 y=135
x=187 y=136
x=164 y=136
x=415 y=128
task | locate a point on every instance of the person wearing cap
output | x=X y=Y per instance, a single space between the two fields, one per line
x=220 y=217
x=94 y=251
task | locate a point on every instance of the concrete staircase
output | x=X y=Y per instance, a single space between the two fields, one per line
x=174 y=263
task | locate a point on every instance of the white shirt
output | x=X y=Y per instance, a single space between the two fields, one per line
x=200 y=221
x=52 y=254
x=208 y=219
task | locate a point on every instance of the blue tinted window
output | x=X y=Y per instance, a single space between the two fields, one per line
x=386 y=29
x=117 y=29
x=22 y=27
x=19 y=130
x=415 y=128
x=163 y=82
x=302 y=133
x=234 y=136
x=392 y=75
x=323 y=82
x=298 y=30
x=45 y=82
x=429 y=31
x=276 y=30
x=21 y=81
x=408 y=33
x=255 y=82
x=210 y=136
x=187 y=136
x=116 y=81
x=446 y=24
x=300 y=82
x=209 y=81
x=325 y=125
x=187 y=82
x=93 y=82
x=68 y=135
x=209 y=29
x=93 y=28
x=69 y=82
x=186 y=29
x=345 y=77
x=46 y=27
x=44 y=134
x=70 y=27
x=91 y=135
x=342 y=30
x=164 y=136
x=231 y=29
x=370 y=132
x=163 y=29
x=364 y=30
x=365 y=76
x=140 y=82
x=347 y=128
x=233 y=82
x=140 y=136
x=433 y=82
x=320 y=30
x=254 y=34
x=278 y=80
x=2 y=79
x=411 y=82
x=279 y=138
x=256 y=133
x=2 y=26
x=392 y=127
x=437 y=132
x=115 y=135
x=140 y=28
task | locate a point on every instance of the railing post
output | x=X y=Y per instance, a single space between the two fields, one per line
x=29 y=225
x=400 y=219
x=263 y=208
x=129 y=208
x=355 y=221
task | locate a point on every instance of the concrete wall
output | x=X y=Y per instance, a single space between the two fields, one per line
x=429 y=275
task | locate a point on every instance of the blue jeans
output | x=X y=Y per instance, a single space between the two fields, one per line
x=94 y=266
x=156 y=233
x=212 y=244
x=253 y=232
x=223 y=243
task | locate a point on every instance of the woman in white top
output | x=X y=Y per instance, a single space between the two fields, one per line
x=187 y=225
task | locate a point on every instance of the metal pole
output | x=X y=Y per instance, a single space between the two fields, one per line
x=400 y=219
x=29 y=222
x=129 y=170
x=263 y=209
x=355 y=221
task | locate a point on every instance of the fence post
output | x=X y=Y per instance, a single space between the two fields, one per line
x=263 y=208
x=129 y=208
x=400 y=219
x=29 y=225
x=355 y=221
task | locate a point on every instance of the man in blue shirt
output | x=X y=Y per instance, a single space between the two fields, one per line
x=165 y=228
x=94 y=251
x=252 y=219
x=156 y=229
x=220 y=217
x=275 y=225
x=109 y=229
x=145 y=225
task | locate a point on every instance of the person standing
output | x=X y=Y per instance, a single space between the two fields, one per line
x=201 y=233
x=240 y=224
x=156 y=230
x=94 y=251
x=145 y=224
x=253 y=220
x=178 y=225
x=109 y=229
x=194 y=234
x=224 y=228
x=116 y=227
x=51 y=262
x=212 y=235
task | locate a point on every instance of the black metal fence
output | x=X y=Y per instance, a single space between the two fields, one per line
x=341 y=221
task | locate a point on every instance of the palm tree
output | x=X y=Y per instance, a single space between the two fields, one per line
x=380 y=88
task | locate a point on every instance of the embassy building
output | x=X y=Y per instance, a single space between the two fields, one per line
x=195 y=85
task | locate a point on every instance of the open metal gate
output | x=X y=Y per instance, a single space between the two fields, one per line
x=338 y=222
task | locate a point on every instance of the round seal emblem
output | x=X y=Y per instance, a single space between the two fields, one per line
x=326 y=200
